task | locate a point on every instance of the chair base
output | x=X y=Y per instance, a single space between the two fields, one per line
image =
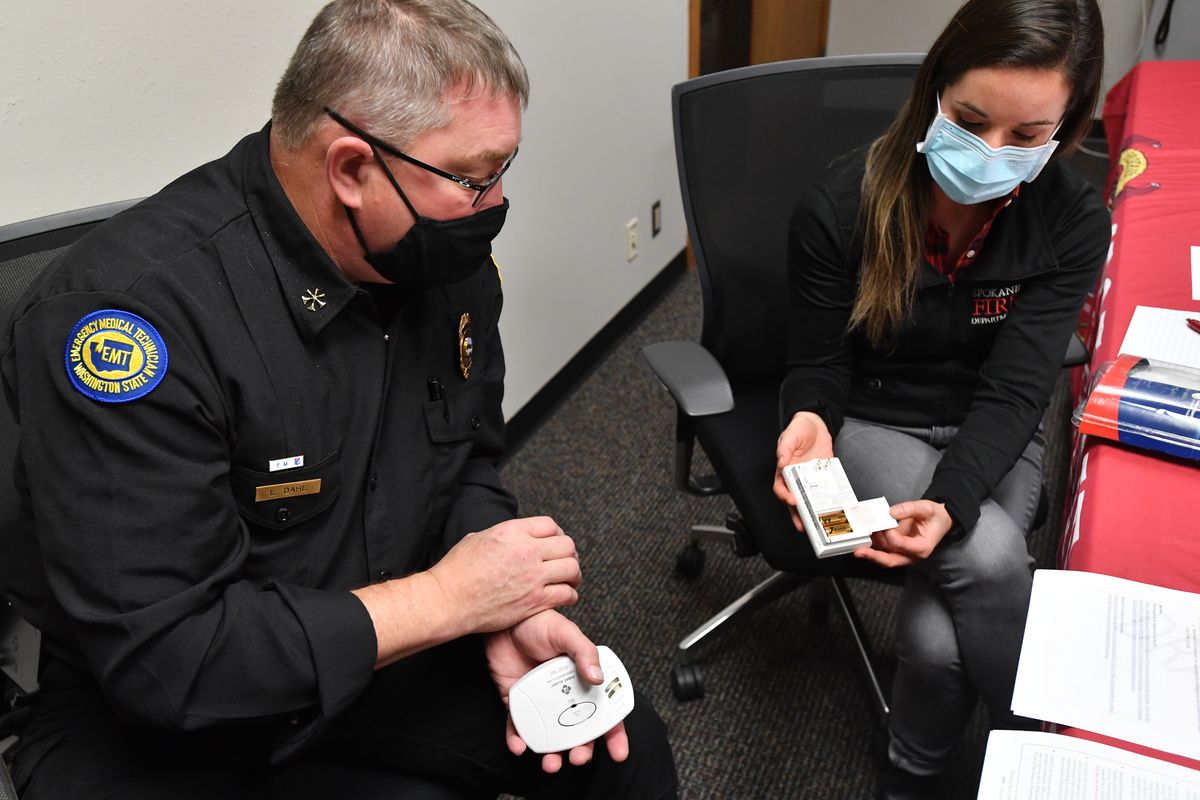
x=774 y=587
x=866 y=657
x=687 y=679
x=690 y=560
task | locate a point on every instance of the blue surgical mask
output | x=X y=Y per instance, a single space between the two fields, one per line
x=969 y=170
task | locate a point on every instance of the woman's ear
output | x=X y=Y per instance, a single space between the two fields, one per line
x=346 y=160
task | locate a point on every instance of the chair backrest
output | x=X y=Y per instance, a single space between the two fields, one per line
x=26 y=248
x=747 y=141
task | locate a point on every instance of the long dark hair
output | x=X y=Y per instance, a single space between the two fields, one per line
x=1064 y=35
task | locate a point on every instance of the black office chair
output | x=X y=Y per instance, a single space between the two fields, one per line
x=747 y=141
x=25 y=249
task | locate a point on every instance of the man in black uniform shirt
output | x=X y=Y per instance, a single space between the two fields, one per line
x=262 y=531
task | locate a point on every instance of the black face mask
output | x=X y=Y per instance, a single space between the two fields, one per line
x=435 y=252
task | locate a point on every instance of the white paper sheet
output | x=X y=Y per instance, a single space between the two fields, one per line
x=1195 y=272
x=870 y=516
x=1113 y=656
x=1026 y=765
x=1162 y=334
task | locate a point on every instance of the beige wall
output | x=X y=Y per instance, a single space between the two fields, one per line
x=909 y=26
x=598 y=150
x=102 y=101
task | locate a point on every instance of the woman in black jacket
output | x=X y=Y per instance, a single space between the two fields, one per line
x=936 y=278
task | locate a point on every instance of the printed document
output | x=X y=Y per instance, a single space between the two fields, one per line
x=1113 y=656
x=1162 y=334
x=1025 y=765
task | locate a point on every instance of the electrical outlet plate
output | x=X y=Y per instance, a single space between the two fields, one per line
x=631 y=239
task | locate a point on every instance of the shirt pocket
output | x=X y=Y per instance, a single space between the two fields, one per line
x=457 y=416
x=281 y=500
x=452 y=423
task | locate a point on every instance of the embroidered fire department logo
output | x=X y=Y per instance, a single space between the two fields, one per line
x=114 y=356
x=993 y=304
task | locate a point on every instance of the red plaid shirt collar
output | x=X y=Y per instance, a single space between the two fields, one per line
x=937 y=243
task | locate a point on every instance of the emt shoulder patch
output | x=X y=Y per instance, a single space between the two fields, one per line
x=113 y=356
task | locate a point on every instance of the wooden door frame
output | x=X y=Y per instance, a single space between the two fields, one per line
x=693 y=38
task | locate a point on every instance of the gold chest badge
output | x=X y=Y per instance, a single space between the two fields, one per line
x=466 y=346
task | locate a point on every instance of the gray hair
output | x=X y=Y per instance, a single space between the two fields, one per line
x=388 y=64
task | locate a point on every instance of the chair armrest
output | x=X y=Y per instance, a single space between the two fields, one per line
x=20 y=648
x=1077 y=354
x=700 y=388
x=692 y=376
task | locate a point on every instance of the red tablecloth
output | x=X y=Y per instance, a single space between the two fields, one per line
x=1131 y=513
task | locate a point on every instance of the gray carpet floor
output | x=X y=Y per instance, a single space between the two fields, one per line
x=786 y=712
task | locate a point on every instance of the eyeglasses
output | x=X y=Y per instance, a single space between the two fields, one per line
x=480 y=189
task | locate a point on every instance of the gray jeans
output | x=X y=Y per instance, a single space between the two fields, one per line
x=962 y=611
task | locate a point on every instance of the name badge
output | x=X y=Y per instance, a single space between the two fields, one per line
x=278 y=491
x=291 y=462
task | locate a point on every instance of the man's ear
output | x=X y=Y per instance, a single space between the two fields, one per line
x=346 y=160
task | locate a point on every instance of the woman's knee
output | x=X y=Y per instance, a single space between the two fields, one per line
x=994 y=553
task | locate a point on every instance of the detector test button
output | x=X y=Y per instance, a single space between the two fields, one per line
x=576 y=714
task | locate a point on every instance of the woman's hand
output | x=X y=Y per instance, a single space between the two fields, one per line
x=923 y=524
x=804 y=439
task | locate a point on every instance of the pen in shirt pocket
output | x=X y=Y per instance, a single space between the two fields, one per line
x=437 y=392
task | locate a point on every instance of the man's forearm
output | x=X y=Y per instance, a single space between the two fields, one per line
x=410 y=615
